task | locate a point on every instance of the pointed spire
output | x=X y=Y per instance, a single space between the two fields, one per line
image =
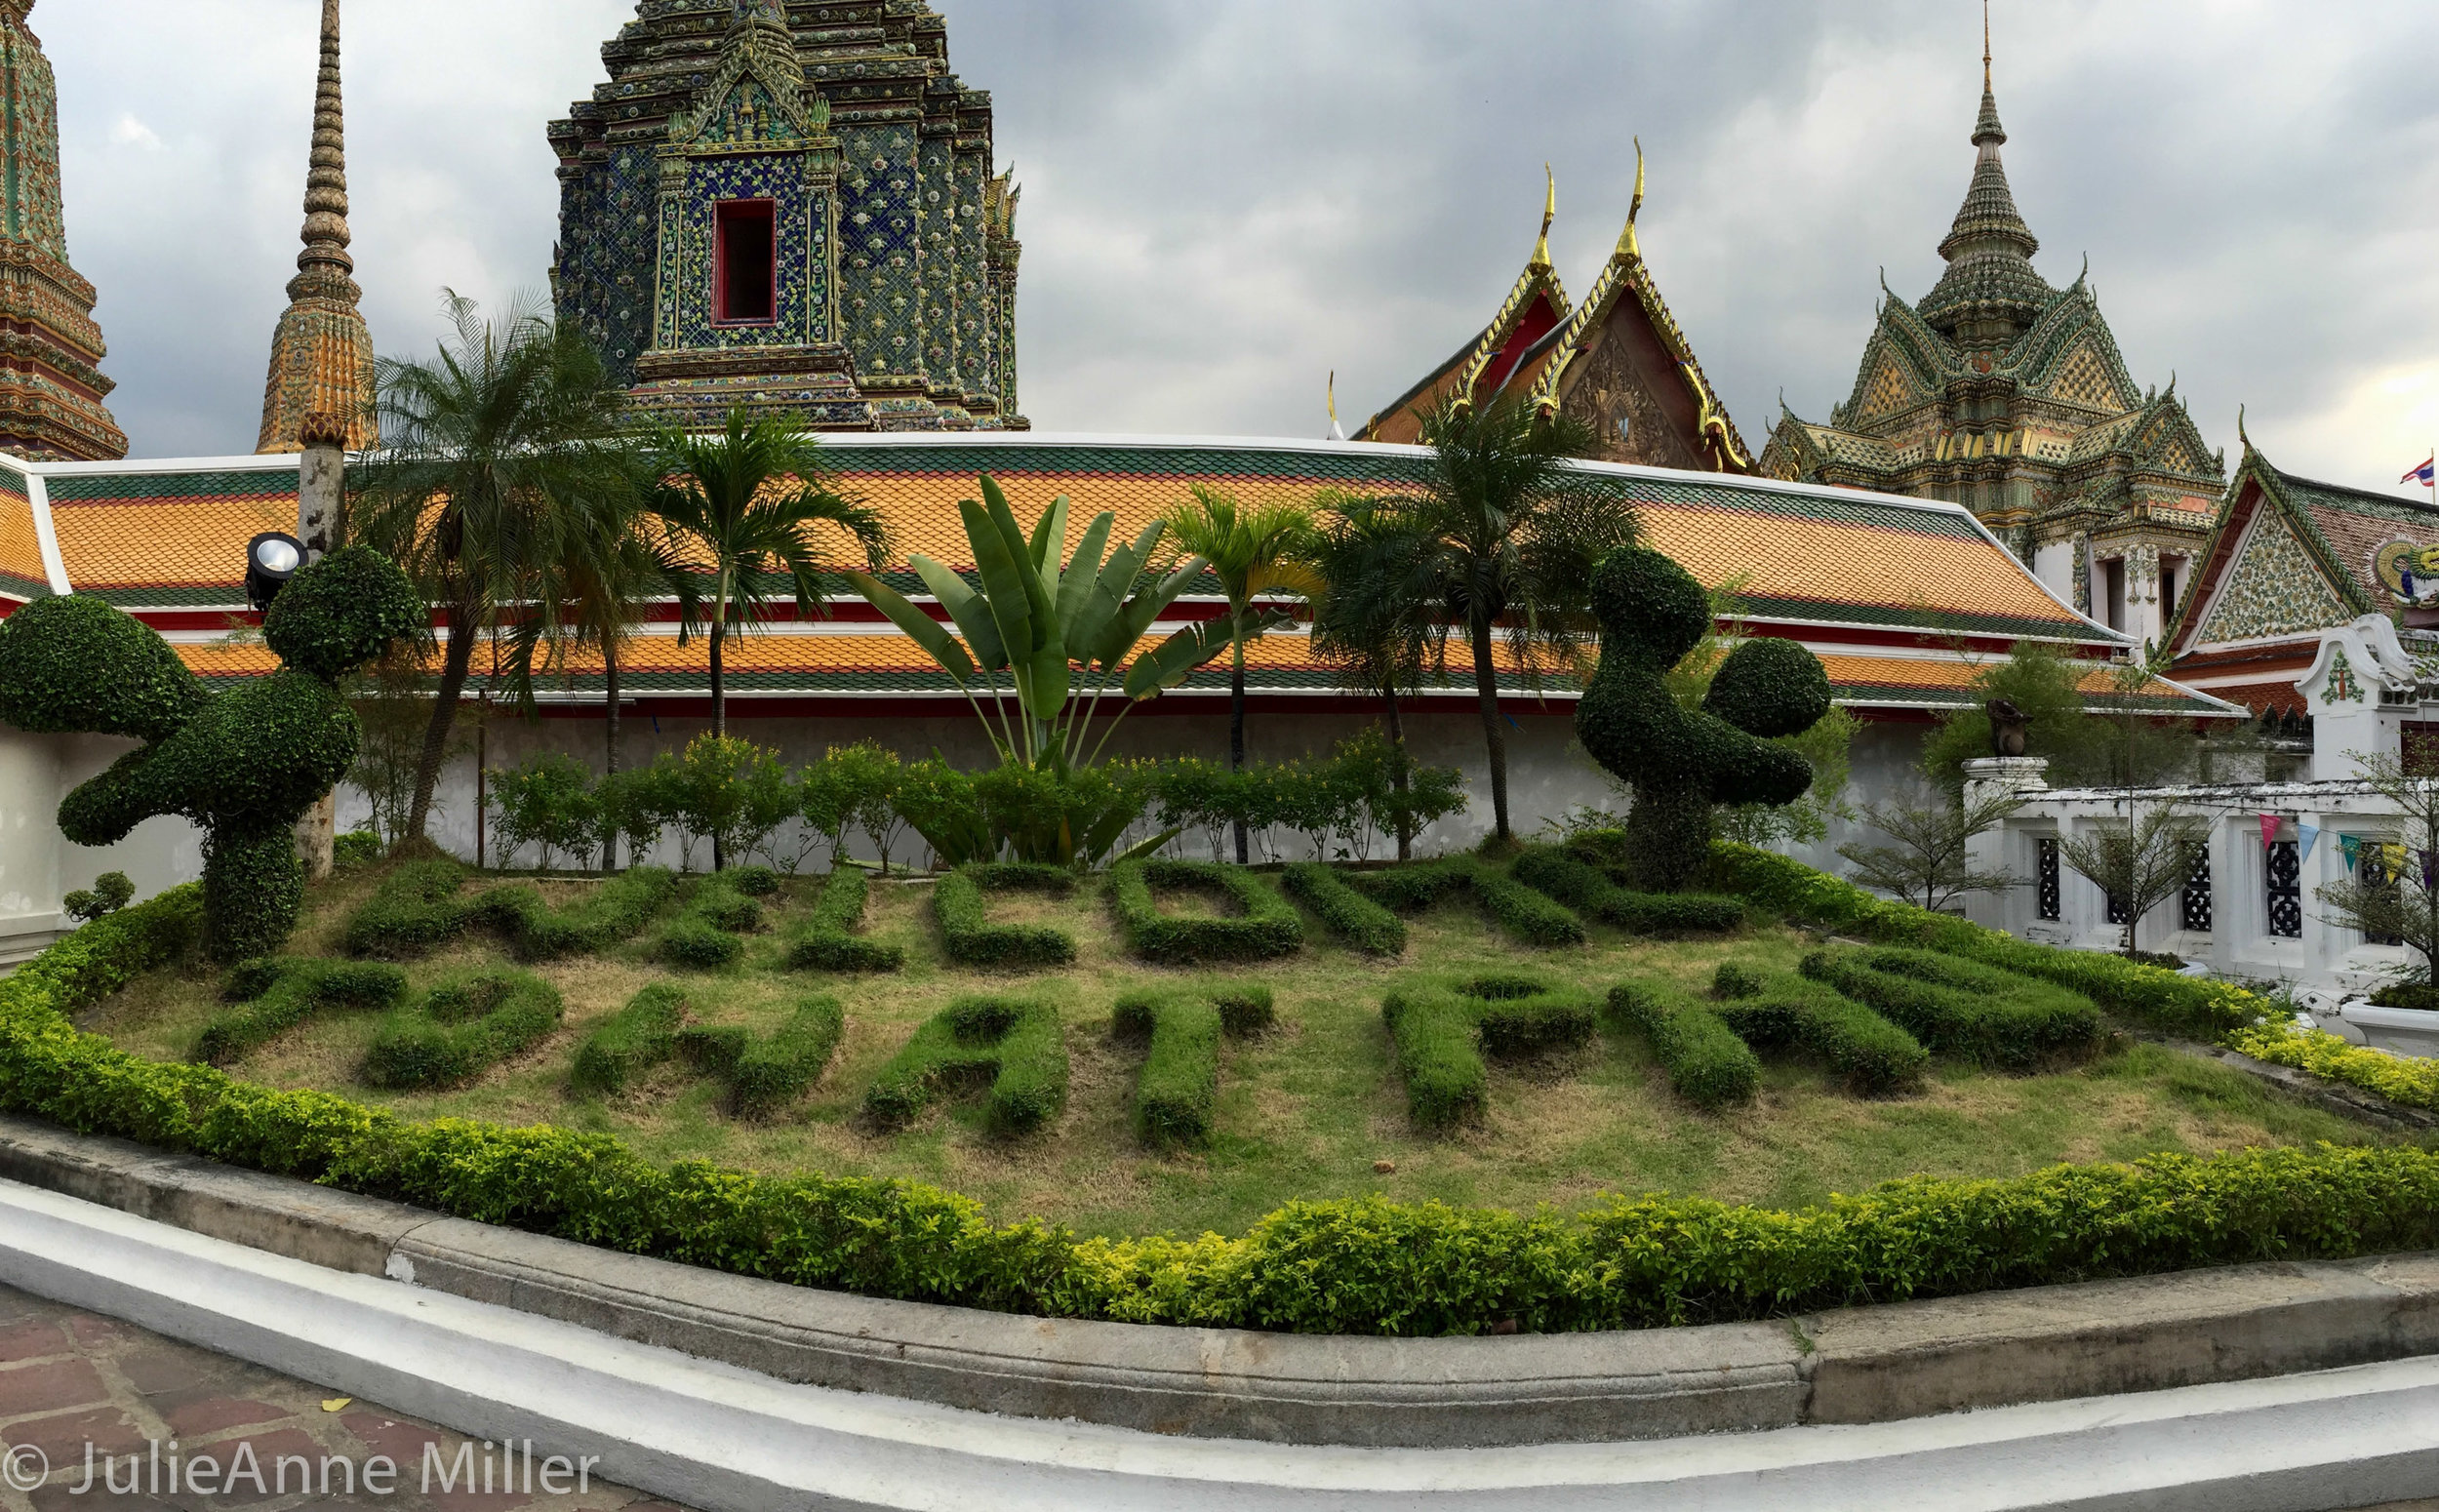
x=321 y=378
x=325 y=234
x=1629 y=244
x=1541 y=262
x=1991 y=279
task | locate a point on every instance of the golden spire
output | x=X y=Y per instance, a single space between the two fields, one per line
x=321 y=382
x=1986 y=46
x=1550 y=212
x=1337 y=432
x=1629 y=247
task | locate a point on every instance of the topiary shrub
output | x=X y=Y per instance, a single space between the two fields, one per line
x=464 y=1026
x=1181 y=1033
x=775 y=1071
x=111 y=892
x=280 y=994
x=825 y=944
x=706 y=934
x=969 y=937
x=629 y=1042
x=1352 y=917
x=1267 y=928
x=1680 y=764
x=1015 y=1043
x=246 y=764
x=1774 y=1010
x=1442 y=1030
x=1707 y=1063
x=1590 y=889
x=1964 y=1008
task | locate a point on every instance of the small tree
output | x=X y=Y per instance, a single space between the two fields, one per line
x=1927 y=864
x=2140 y=862
x=855 y=787
x=548 y=801
x=2399 y=902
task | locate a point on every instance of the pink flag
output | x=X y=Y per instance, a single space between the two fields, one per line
x=2269 y=830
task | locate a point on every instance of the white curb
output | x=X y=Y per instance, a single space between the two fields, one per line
x=726 y=1440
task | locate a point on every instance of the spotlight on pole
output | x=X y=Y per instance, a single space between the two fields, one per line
x=271 y=559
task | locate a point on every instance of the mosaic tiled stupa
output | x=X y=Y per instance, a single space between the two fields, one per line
x=791 y=206
x=321 y=378
x=2003 y=393
x=50 y=384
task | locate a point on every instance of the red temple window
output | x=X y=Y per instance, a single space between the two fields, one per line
x=746 y=272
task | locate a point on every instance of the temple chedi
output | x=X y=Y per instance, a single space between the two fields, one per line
x=51 y=350
x=2002 y=394
x=790 y=205
x=321 y=381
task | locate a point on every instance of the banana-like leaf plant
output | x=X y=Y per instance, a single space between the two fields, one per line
x=1042 y=624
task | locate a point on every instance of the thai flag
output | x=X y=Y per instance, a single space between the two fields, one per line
x=2424 y=473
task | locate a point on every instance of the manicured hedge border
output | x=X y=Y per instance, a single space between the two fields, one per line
x=1707 y=1063
x=1351 y=916
x=1267 y=930
x=826 y=943
x=1962 y=1008
x=1590 y=889
x=1771 y=1009
x=279 y=994
x=419 y=906
x=969 y=937
x=1355 y=1266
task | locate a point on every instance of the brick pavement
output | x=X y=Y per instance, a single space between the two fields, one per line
x=70 y=1378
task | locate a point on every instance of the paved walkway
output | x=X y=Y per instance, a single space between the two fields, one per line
x=70 y=1378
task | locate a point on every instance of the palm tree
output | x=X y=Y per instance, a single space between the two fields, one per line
x=744 y=505
x=1511 y=535
x=1371 y=620
x=1256 y=554
x=488 y=442
x=596 y=587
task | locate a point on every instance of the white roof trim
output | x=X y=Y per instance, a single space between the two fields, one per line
x=46 y=536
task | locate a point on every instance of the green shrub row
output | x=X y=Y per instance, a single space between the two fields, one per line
x=706 y=936
x=1015 y=1044
x=969 y=937
x=629 y=1042
x=2191 y=1006
x=1523 y=912
x=774 y=1070
x=1411 y=888
x=419 y=906
x=1708 y=1063
x=464 y=1026
x=284 y=992
x=1591 y=890
x=1443 y=1029
x=1349 y=915
x=828 y=943
x=1783 y=1010
x=1962 y=1008
x=1359 y=1267
x=1180 y=1028
x=1267 y=930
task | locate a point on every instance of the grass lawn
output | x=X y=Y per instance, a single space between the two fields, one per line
x=1306 y=1111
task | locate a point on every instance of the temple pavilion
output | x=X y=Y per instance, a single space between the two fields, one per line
x=2005 y=394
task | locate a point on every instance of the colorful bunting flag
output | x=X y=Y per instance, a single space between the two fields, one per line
x=2350 y=847
x=2269 y=830
x=2304 y=835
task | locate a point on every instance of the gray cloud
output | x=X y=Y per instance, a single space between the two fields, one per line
x=1223 y=203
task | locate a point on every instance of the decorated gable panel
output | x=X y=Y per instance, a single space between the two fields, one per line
x=2276 y=589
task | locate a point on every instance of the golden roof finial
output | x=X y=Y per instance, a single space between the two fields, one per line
x=1630 y=246
x=1337 y=432
x=1550 y=213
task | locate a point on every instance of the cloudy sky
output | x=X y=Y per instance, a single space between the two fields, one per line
x=1225 y=202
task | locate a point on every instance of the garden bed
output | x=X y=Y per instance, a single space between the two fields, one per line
x=1304 y=1111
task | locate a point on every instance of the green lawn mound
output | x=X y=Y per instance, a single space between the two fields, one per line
x=1487 y=1038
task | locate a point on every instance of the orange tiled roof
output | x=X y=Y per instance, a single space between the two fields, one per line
x=22 y=574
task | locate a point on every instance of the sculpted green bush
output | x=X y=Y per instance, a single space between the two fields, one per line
x=1349 y=915
x=1267 y=930
x=280 y=994
x=1963 y=1009
x=245 y=763
x=462 y=1028
x=969 y=937
x=1179 y=1029
x=1443 y=1028
x=1014 y=1043
x=629 y=1042
x=1680 y=762
x=827 y=942
x=1707 y=1063
x=1775 y=1010
x=421 y=906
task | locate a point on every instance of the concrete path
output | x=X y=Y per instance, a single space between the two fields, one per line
x=71 y=1379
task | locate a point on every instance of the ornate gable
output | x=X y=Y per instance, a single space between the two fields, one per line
x=2276 y=586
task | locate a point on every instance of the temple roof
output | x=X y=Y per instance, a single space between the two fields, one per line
x=1988 y=248
x=1914 y=580
x=2326 y=536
